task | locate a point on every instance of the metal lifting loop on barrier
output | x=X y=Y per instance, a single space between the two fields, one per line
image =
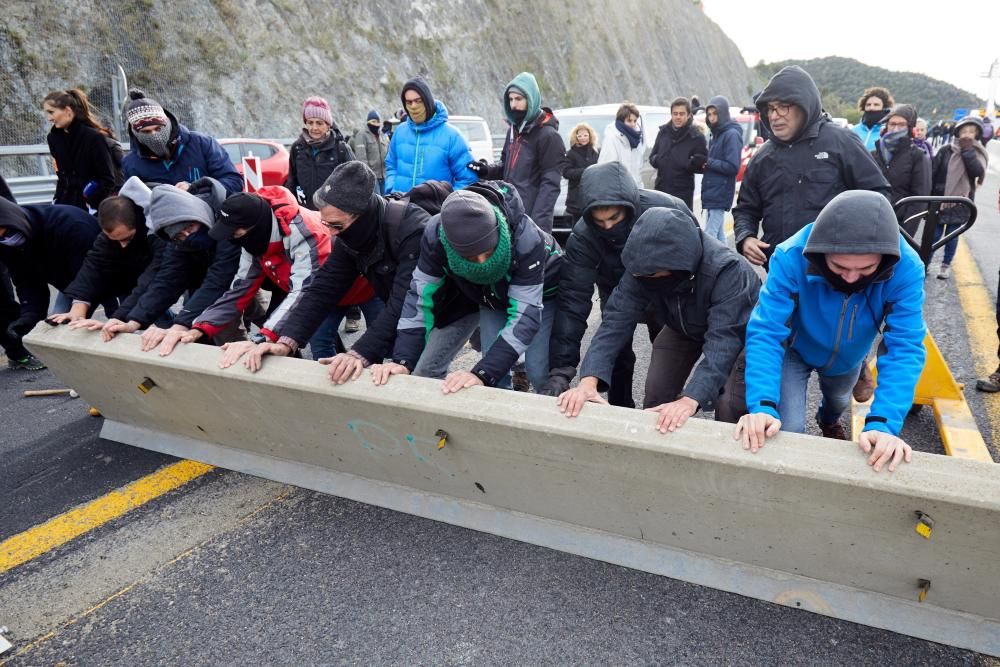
x=927 y=245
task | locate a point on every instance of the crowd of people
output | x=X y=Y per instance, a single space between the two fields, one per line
x=432 y=246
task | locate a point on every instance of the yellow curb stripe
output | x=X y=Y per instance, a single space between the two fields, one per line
x=61 y=529
x=980 y=323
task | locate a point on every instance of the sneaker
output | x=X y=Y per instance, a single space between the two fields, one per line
x=519 y=381
x=991 y=384
x=352 y=326
x=943 y=273
x=865 y=386
x=834 y=431
x=28 y=363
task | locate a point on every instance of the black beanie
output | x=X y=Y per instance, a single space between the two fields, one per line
x=350 y=188
x=419 y=85
x=906 y=112
x=469 y=223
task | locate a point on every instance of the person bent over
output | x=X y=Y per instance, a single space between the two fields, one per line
x=705 y=293
x=832 y=288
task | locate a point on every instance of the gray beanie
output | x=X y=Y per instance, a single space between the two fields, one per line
x=350 y=188
x=171 y=209
x=469 y=223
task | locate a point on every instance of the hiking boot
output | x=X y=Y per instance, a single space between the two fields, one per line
x=519 y=381
x=834 y=431
x=944 y=271
x=865 y=386
x=352 y=325
x=28 y=363
x=991 y=384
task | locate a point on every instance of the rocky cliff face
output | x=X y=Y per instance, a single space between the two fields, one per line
x=232 y=68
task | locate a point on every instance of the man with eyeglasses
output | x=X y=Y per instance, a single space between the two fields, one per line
x=807 y=161
x=705 y=292
x=191 y=262
x=283 y=246
x=425 y=147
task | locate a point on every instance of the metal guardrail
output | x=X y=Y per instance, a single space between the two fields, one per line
x=33 y=189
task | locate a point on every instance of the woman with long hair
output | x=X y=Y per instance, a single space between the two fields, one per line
x=79 y=145
x=582 y=153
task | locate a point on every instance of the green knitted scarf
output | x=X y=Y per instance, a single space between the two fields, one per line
x=492 y=270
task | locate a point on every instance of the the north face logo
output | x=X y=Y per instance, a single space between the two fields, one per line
x=822 y=155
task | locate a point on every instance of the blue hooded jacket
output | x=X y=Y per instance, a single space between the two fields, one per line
x=724 y=155
x=833 y=330
x=430 y=151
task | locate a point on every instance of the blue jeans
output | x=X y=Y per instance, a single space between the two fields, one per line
x=835 y=390
x=950 y=220
x=715 y=223
x=323 y=342
x=445 y=343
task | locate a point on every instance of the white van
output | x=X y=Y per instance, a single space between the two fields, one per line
x=476 y=131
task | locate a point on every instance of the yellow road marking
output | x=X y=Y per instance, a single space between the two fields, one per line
x=59 y=530
x=980 y=322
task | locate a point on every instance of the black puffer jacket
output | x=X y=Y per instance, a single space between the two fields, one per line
x=908 y=173
x=578 y=158
x=82 y=155
x=671 y=157
x=786 y=185
x=709 y=301
x=58 y=238
x=594 y=257
x=309 y=166
x=386 y=250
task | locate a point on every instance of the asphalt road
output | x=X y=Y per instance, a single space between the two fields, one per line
x=230 y=568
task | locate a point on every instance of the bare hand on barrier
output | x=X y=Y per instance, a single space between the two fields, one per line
x=571 y=401
x=753 y=250
x=64 y=318
x=884 y=448
x=88 y=324
x=151 y=337
x=675 y=414
x=753 y=429
x=459 y=380
x=114 y=327
x=171 y=337
x=231 y=352
x=192 y=336
x=255 y=358
x=382 y=372
x=343 y=367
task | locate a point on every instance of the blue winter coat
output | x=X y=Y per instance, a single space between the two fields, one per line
x=431 y=151
x=194 y=155
x=834 y=331
x=724 y=154
x=868 y=136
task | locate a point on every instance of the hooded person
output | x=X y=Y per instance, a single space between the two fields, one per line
x=283 y=246
x=906 y=167
x=425 y=147
x=370 y=145
x=533 y=152
x=612 y=203
x=377 y=238
x=807 y=161
x=873 y=104
x=484 y=246
x=831 y=290
x=40 y=246
x=958 y=168
x=705 y=293
x=723 y=163
x=679 y=152
x=316 y=152
x=164 y=151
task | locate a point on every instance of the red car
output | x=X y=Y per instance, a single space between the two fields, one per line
x=273 y=157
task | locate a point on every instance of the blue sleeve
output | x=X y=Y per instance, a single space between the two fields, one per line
x=220 y=167
x=459 y=157
x=729 y=162
x=766 y=333
x=390 y=162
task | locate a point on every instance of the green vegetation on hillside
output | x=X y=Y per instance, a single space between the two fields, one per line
x=842 y=80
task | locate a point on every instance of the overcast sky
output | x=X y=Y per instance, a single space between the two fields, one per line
x=951 y=41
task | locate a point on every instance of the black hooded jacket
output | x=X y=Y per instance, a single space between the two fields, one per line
x=383 y=250
x=710 y=299
x=310 y=165
x=58 y=238
x=594 y=257
x=671 y=157
x=82 y=155
x=909 y=174
x=786 y=185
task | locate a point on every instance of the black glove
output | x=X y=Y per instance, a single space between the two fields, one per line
x=965 y=143
x=697 y=162
x=558 y=381
x=479 y=168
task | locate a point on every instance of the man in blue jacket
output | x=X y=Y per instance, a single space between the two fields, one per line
x=831 y=289
x=723 y=163
x=164 y=151
x=425 y=147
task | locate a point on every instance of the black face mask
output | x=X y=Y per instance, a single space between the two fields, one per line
x=518 y=116
x=841 y=285
x=616 y=236
x=362 y=234
x=200 y=240
x=675 y=282
x=873 y=118
x=257 y=238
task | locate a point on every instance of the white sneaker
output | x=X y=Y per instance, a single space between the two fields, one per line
x=943 y=272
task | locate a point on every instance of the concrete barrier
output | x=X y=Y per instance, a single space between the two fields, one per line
x=804 y=523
